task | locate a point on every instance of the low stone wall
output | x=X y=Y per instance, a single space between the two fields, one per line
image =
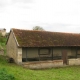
x=74 y=61
x=50 y=64
x=1 y=52
x=43 y=64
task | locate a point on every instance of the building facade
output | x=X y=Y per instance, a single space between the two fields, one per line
x=36 y=50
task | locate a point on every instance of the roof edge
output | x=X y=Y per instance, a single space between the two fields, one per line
x=15 y=37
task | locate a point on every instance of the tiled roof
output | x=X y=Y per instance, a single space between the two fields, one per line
x=30 y=38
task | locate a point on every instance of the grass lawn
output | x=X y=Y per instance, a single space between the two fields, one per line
x=20 y=73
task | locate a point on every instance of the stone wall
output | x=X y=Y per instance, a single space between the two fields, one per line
x=12 y=48
x=19 y=56
x=74 y=61
x=43 y=64
x=50 y=64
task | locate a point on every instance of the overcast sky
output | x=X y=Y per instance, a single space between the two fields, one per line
x=52 y=15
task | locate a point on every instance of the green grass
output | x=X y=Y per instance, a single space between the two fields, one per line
x=20 y=73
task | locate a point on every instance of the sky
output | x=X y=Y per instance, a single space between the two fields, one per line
x=51 y=15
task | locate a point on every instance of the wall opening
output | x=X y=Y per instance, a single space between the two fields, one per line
x=45 y=54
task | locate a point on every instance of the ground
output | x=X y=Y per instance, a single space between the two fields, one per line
x=20 y=73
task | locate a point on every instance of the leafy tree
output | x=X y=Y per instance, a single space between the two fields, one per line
x=38 y=28
x=2 y=41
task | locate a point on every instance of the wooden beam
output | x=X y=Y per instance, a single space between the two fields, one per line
x=52 y=53
x=26 y=54
x=76 y=52
x=39 y=53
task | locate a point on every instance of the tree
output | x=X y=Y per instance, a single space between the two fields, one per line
x=38 y=28
x=2 y=41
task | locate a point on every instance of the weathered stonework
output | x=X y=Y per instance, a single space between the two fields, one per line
x=50 y=64
x=74 y=61
x=19 y=56
x=43 y=64
x=12 y=48
x=34 y=54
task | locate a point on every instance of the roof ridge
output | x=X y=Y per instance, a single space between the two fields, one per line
x=47 y=31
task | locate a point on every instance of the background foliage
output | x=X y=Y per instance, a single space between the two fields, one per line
x=38 y=28
x=3 y=40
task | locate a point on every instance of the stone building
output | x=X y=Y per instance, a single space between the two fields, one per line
x=43 y=49
x=3 y=31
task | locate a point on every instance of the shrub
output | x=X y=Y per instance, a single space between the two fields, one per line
x=4 y=75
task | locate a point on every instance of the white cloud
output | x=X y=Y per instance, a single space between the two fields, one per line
x=24 y=1
x=5 y=2
x=53 y=15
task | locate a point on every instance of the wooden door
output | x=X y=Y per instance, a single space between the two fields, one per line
x=64 y=57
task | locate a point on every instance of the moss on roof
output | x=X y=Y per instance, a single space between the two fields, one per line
x=30 y=38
